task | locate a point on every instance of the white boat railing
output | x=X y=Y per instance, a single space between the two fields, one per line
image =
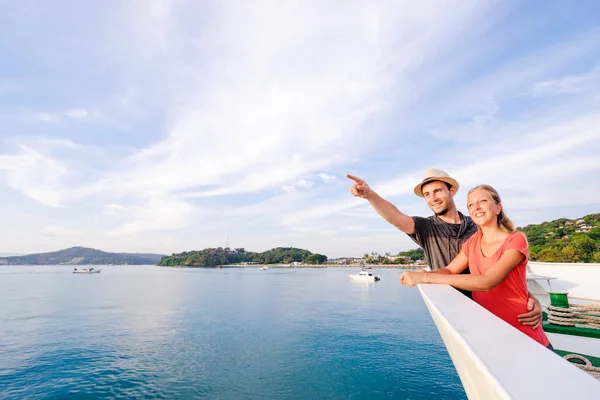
x=496 y=361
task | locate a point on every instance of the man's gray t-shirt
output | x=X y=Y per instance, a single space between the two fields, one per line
x=440 y=240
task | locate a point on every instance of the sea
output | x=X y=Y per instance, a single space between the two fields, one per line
x=148 y=332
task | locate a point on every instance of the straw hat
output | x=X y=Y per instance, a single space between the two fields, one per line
x=432 y=175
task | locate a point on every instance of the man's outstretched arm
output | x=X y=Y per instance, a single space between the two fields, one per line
x=383 y=207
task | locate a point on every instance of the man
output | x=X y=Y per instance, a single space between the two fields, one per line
x=440 y=235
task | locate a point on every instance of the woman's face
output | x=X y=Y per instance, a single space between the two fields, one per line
x=482 y=208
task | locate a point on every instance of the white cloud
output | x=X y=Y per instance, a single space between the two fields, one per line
x=327 y=178
x=310 y=84
x=300 y=184
x=45 y=117
x=280 y=130
x=567 y=84
x=35 y=174
x=476 y=127
x=155 y=214
x=296 y=218
x=564 y=150
x=54 y=117
x=211 y=117
x=77 y=113
x=114 y=209
x=53 y=171
x=303 y=183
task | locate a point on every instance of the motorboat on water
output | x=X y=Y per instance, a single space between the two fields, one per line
x=86 y=270
x=365 y=274
x=264 y=268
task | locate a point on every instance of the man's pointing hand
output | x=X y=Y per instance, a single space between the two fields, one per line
x=360 y=187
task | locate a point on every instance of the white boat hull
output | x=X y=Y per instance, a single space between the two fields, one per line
x=364 y=278
x=496 y=361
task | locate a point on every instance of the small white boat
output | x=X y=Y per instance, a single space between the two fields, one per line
x=264 y=268
x=365 y=275
x=86 y=271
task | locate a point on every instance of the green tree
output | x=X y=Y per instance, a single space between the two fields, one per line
x=535 y=235
x=584 y=245
x=548 y=254
x=315 y=259
x=570 y=254
x=414 y=254
x=594 y=233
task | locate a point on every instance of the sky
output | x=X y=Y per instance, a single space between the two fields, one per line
x=170 y=126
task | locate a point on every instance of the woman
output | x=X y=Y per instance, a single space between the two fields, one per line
x=497 y=258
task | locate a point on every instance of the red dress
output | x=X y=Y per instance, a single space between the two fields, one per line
x=510 y=297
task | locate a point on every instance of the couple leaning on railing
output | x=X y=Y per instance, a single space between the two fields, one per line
x=481 y=254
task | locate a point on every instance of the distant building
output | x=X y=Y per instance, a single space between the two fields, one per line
x=346 y=260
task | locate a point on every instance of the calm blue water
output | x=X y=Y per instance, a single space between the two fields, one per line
x=150 y=332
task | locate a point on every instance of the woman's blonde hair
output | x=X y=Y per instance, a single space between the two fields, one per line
x=504 y=223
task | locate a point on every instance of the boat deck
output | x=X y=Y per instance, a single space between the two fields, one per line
x=570 y=330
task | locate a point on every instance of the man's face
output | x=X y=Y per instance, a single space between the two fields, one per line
x=438 y=197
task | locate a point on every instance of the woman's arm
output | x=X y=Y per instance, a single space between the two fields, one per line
x=457 y=266
x=480 y=283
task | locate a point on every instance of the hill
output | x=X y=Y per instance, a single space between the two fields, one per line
x=565 y=240
x=222 y=256
x=82 y=256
